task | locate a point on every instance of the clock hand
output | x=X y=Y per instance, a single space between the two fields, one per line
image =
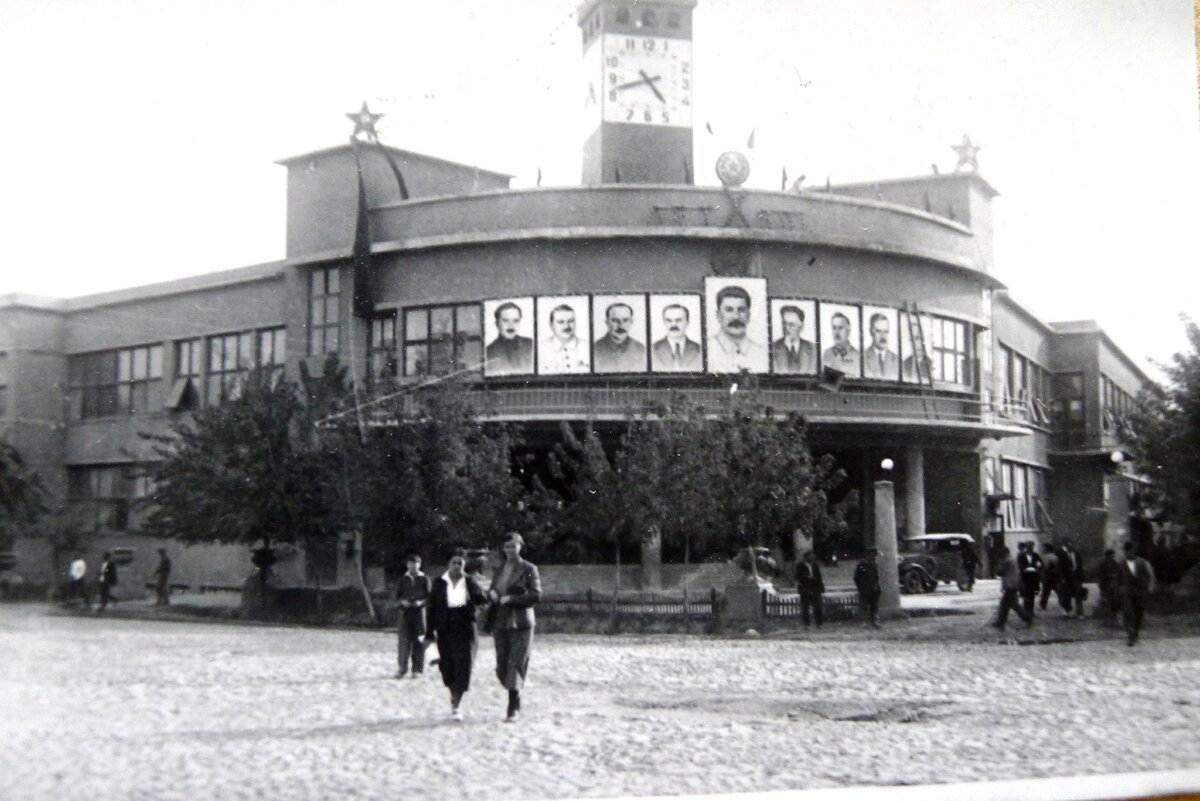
x=650 y=82
x=638 y=82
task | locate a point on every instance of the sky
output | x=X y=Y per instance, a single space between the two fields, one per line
x=138 y=138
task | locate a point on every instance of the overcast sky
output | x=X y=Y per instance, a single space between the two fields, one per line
x=138 y=137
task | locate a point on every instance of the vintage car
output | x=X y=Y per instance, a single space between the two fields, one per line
x=932 y=558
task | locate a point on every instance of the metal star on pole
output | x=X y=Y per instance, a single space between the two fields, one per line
x=364 y=123
x=968 y=155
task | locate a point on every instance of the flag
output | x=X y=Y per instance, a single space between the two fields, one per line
x=783 y=181
x=708 y=127
x=363 y=281
x=750 y=141
x=687 y=172
x=539 y=178
x=387 y=154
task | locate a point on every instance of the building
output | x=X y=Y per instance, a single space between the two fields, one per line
x=873 y=309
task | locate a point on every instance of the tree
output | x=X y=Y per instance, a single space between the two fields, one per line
x=244 y=471
x=22 y=496
x=1163 y=435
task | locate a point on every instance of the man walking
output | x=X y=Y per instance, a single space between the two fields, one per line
x=108 y=580
x=1071 y=566
x=1029 y=564
x=162 y=577
x=1137 y=579
x=412 y=597
x=1109 y=580
x=866 y=580
x=1010 y=586
x=811 y=587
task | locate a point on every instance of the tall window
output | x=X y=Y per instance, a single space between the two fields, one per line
x=1068 y=410
x=323 y=297
x=383 y=347
x=1116 y=402
x=230 y=356
x=272 y=351
x=1027 y=483
x=949 y=350
x=1025 y=386
x=118 y=382
x=102 y=493
x=441 y=339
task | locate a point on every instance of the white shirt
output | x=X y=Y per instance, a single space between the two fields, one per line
x=555 y=356
x=78 y=568
x=455 y=595
x=727 y=356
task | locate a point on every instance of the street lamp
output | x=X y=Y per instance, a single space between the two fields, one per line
x=887 y=464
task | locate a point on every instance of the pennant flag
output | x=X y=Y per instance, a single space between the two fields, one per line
x=708 y=127
x=539 y=178
x=363 y=271
x=387 y=154
x=783 y=181
x=687 y=172
x=750 y=141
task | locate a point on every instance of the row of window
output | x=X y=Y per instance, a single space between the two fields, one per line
x=130 y=380
x=1029 y=506
x=103 y=494
x=1115 y=402
x=1024 y=385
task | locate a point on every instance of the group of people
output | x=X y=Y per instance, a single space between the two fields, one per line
x=452 y=608
x=1028 y=581
x=76 y=585
x=810 y=586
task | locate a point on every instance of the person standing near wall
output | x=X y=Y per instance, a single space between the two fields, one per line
x=1137 y=579
x=1030 y=566
x=866 y=580
x=412 y=596
x=162 y=578
x=516 y=589
x=108 y=580
x=811 y=587
x=1071 y=565
x=452 y=605
x=1051 y=578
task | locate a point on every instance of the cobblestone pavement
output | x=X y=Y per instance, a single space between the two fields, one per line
x=104 y=708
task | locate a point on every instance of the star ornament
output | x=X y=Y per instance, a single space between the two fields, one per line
x=968 y=155
x=364 y=122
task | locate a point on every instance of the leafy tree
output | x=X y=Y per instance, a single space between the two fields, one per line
x=22 y=496
x=1163 y=435
x=243 y=471
x=590 y=514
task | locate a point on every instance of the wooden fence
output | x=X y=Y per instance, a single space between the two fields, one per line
x=591 y=602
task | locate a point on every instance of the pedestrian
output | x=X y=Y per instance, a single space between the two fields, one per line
x=866 y=579
x=811 y=587
x=1136 y=582
x=1029 y=564
x=456 y=595
x=1108 y=577
x=970 y=564
x=1071 y=565
x=412 y=597
x=77 y=582
x=162 y=577
x=108 y=579
x=1010 y=587
x=1052 y=578
x=516 y=588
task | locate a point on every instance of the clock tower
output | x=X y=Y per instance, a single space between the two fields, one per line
x=637 y=91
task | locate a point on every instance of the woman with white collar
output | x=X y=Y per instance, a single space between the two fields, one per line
x=452 y=612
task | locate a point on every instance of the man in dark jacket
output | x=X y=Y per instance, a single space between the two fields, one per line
x=970 y=564
x=866 y=580
x=1137 y=579
x=1071 y=566
x=108 y=580
x=412 y=597
x=811 y=587
x=1108 y=577
x=1029 y=565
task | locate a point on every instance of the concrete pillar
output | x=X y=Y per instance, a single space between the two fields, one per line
x=652 y=560
x=885 y=541
x=914 y=492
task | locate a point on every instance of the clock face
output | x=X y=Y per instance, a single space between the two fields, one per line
x=647 y=80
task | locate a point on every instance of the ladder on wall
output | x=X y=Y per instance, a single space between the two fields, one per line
x=920 y=355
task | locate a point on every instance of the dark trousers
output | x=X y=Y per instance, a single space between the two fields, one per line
x=78 y=589
x=870 y=605
x=1049 y=584
x=410 y=646
x=512 y=656
x=1008 y=600
x=162 y=591
x=1133 y=611
x=106 y=595
x=812 y=602
x=1029 y=594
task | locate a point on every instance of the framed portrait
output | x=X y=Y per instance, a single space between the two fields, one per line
x=736 y=317
x=841 y=338
x=676 y=334
x=881 y=343
x=563 y=328
x=508 y=328
x=916 y=368
x=793 y=336
x=619 y=334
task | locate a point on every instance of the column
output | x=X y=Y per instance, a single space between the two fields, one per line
x=914 y=492
x=885 y=541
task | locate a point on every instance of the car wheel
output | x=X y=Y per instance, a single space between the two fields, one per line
x=912 y=582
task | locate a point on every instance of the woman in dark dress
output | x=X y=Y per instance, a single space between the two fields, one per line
x=452 y=614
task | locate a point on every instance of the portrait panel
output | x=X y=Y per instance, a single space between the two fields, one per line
x=841 y=338
x=881 y=343
x=508 y=327
x=916 y=363
x=735 y=313
x=563 y=328
x=676 y=334
x=619 y=334
x=793 y=336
